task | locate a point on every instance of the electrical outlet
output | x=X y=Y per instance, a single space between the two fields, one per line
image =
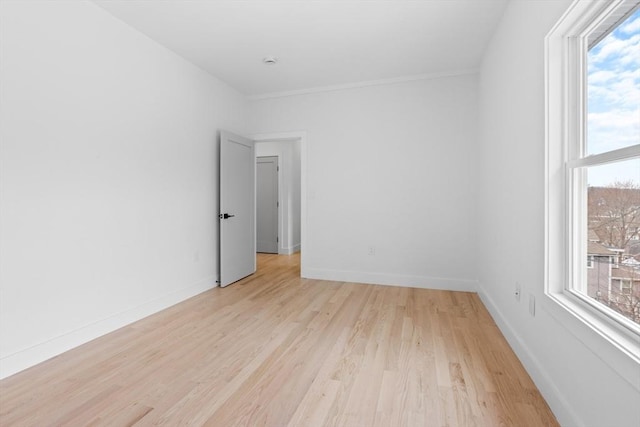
x=517 y=292
x=371 y=250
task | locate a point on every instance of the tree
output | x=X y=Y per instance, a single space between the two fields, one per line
x=614 y=216
x=614 y=213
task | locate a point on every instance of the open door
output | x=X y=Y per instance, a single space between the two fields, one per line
x=237 y=208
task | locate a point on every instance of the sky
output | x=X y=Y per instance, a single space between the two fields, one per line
x=613 y=121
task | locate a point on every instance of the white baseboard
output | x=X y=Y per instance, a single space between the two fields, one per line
x=423 y=282
x=38 y=353
x=558 y=404
x=289 y=251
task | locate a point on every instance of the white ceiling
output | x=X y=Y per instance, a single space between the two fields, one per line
x=318 y=42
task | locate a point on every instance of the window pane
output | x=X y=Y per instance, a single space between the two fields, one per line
x=612 y=267
x=613 y=79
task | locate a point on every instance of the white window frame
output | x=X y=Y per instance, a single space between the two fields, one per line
x=610 y=335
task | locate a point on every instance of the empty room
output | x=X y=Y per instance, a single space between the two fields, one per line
x=320 y=212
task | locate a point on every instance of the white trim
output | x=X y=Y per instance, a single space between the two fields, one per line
x=597 y=336
x=560 y=406
x=356 y=85
x=279 y=136
x=411 y=281
x=31 y=356
x=290 y=250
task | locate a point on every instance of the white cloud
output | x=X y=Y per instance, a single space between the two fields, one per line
x=631 y=26
x=598 y=77
x=609 y=89
x=628 y=119
x=630 y=53
x=626 y=51
x=613 y=129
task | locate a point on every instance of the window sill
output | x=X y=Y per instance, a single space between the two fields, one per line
x=620 y=351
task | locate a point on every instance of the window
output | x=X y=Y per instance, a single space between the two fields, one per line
x=593 y=166
x=603 y=169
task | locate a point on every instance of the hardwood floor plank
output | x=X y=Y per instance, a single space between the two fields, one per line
x=278 y=350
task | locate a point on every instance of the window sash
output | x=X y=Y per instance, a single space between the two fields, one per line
x=626 y=153
x=577 y=271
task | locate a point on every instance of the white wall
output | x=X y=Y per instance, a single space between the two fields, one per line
x=288 y=153
x=108 y=176
x=388 y=167
x=578 y=382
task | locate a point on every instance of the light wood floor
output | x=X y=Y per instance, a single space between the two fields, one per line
x=277 y=350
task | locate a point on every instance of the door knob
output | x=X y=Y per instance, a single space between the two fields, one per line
x=225 y=216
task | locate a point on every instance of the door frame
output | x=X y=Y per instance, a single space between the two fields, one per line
x=303 y=138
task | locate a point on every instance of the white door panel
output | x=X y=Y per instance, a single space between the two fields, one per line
x=237 y=208
x=267 y=204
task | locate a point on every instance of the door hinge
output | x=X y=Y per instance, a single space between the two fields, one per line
x=277 y=168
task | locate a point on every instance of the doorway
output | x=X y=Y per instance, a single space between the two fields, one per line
x=267 y=204
x=288 y=152
x=291 y=150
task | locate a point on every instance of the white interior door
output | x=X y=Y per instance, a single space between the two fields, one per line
x=267 y=204
x=237 y=208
